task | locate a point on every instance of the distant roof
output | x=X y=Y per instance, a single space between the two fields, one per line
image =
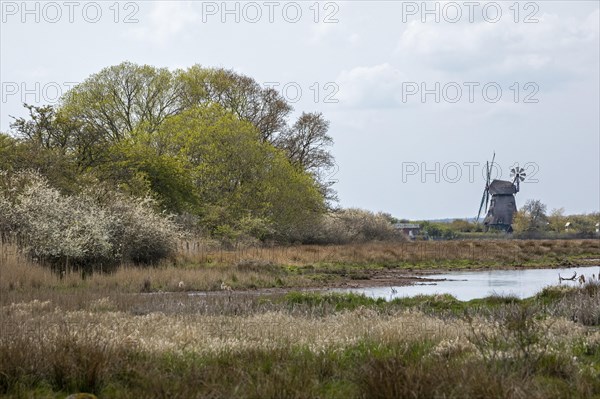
x=407 y=226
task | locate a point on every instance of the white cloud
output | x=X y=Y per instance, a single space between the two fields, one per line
x=320 y=31
x=504 y=47
x=332 y=28
x=38 y=72
x=371 y=86
x=166 y=21
x=333 y=33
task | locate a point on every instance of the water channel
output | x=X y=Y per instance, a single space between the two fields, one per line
x=467 y=285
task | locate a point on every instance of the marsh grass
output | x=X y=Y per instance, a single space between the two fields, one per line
x=99 y=333
x=392 y=253
x=22 y=275
x=333 y=301
x=200 y=267
x=249 y=364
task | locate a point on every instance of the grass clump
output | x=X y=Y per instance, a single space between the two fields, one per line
x=336 y=301
x=402 y=370
x=426 y=303
x=300 y=345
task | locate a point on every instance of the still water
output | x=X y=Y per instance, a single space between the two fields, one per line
x=467 y=285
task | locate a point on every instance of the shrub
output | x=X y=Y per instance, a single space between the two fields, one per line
x=93 y=228
x=140 y=234
x=581 y=305
x=7 y=218
x=353 y=226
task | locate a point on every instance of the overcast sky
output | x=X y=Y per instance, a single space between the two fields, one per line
x=416 y=105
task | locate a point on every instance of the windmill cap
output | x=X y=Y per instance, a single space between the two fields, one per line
x=502 y=187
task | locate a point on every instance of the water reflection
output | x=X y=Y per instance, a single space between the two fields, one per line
x=465 y=285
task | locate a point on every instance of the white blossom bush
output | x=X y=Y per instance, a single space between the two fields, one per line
x=140 y=234
x=8 y=216
x=7 y=219
x=91 y=229
x=63 y=227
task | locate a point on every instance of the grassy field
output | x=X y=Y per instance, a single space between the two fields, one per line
x=304 y=345
x=199 y=268
x=117 y=336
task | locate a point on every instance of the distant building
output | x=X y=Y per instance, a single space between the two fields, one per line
x=409 y=229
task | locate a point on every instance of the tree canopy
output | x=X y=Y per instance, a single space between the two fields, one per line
x=207 y=142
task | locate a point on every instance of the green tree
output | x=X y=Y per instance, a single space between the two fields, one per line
x=307 y=144
x=49 y=129
x=123 y=98
x=520 y=222
x=531 y=217
x=585 y=224
x=201 y=141
x=8 y=151
x=460 y=225
x=236 y=175
x=263 y=107
x=42 y=128
x=557 y=220
x=139 y=169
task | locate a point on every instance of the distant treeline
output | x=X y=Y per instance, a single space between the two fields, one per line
x=531 y=221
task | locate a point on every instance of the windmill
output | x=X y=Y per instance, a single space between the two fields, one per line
x=502 y=207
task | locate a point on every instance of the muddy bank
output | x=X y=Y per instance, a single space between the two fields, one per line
x=386 y=278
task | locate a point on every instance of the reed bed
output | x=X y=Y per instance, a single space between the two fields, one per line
x=507 y=251
x=138 y=331
x=205 y=268
x=512 y=350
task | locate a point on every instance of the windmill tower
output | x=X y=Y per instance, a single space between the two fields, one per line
x=502 y=206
